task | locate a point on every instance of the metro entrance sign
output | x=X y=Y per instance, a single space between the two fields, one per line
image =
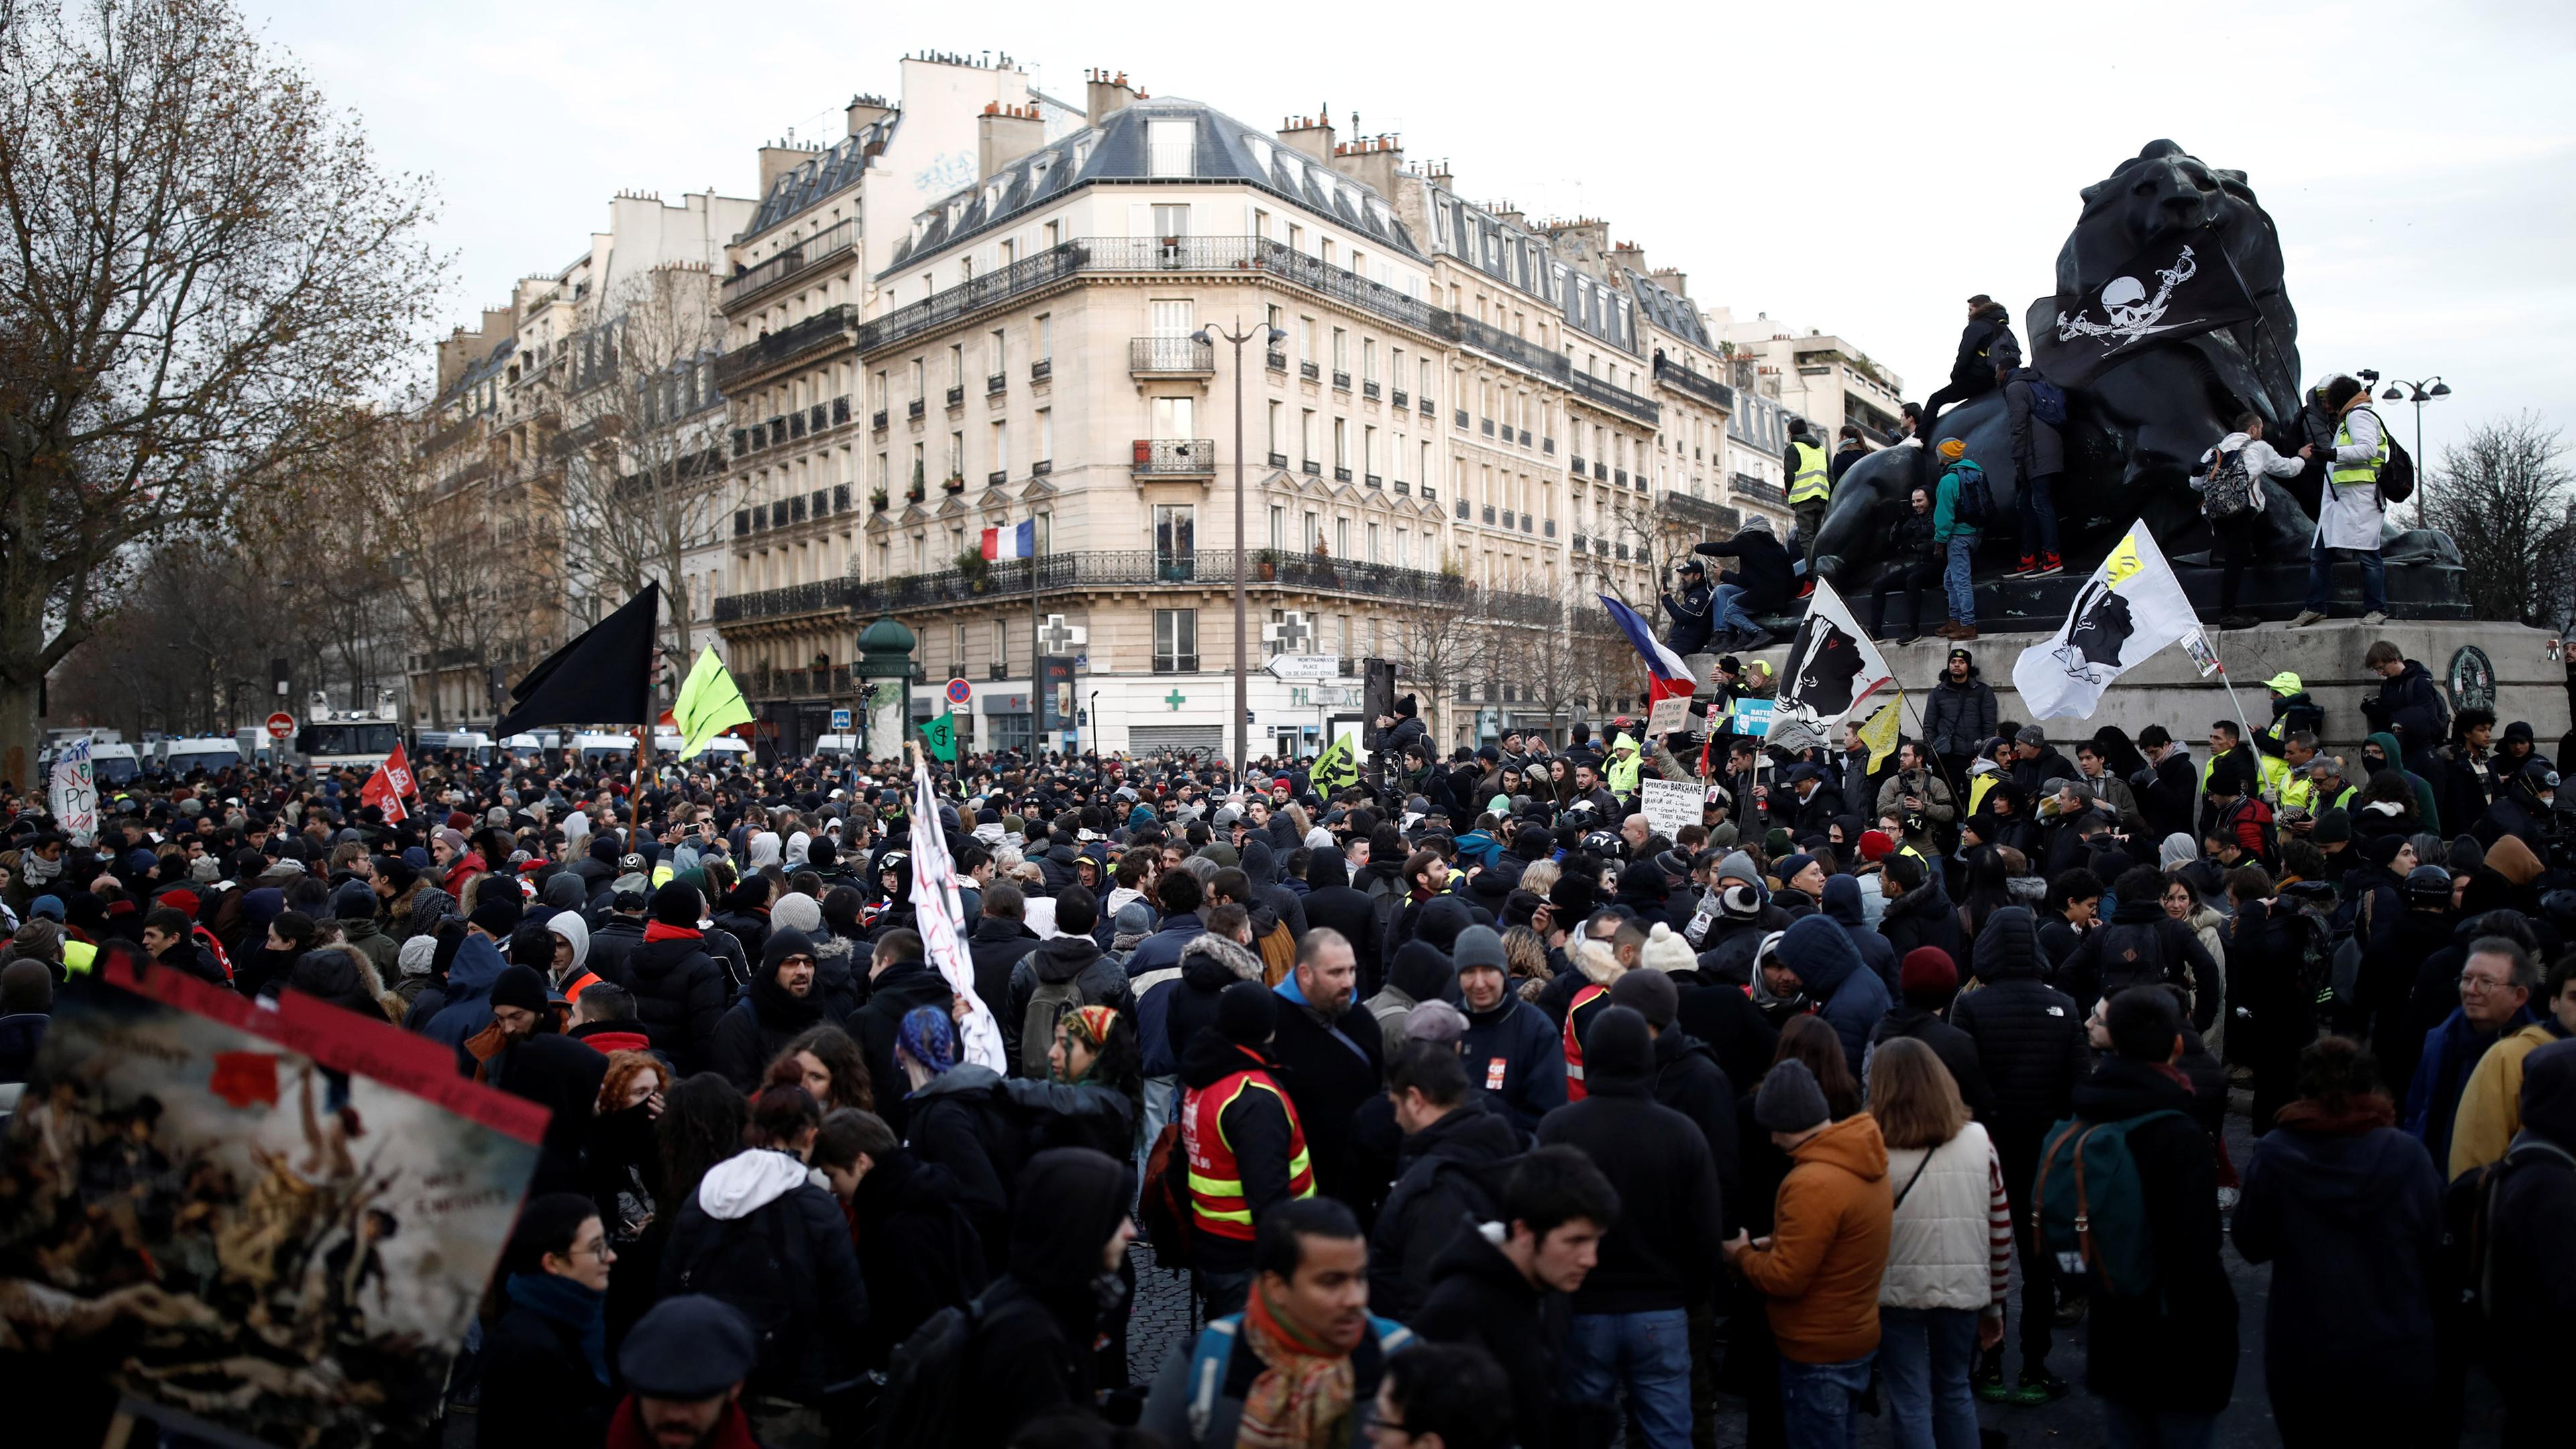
x=280 y=725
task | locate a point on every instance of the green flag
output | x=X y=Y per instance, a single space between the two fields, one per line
x=1334 y=769
x=942 y=734
x=709 y=704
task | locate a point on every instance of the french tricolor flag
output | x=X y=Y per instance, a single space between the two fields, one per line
x=1018 y=541
x=1667 y=673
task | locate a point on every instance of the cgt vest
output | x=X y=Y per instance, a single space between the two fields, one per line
x=1575 y=1091
x=1217 y=1205
x=1810 y=483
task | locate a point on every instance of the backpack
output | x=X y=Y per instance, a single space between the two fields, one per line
x=2230 y=490
x=1163 y=1206
x=925 y=1380
x=2133 y=954
x=2047 y=403
x=2468 y=1237
x=2397 y=475
x=1048 y=1004
x=2351 y=942
x=1976 y=502
x=2090 y=1209
x=760 y=1265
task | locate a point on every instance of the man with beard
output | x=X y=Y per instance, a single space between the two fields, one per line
x=1330 y=1066
x=780 y=1003
x=684 y=1364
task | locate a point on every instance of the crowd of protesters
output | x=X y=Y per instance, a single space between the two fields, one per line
x=1476 y=1110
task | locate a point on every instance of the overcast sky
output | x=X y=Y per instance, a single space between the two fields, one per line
x=1857 y=168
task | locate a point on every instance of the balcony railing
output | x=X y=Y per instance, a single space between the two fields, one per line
x=1170 y=357
x=829 y=596
x=997 y=384
x=1311 y=371
x=877 y=421
x=1400 y=400
x=1745 y=485
x=1368 y=387
x=915 y=408
x=1341 y=380
x=1699 y=513
x=1706 y=389
x=1042 y=369
x=957 y=396
x=788 y=261
x=795 y=340
x=1275 y=361
x=1175 y=457
x=827 y=683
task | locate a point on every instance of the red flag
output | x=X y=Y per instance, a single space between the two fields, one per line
x=380 y=792
x=397 y=770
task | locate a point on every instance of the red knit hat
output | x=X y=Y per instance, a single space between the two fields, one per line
x=1875 y=844
x=1928 y=972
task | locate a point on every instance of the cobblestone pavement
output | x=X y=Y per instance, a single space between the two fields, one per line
x=1164 y=1318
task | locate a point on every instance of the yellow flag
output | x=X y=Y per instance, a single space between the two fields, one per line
x=1334 y=769
x=709 y=704
x=1880 y=733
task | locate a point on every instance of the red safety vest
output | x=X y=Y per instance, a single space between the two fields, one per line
x=1217 y=1205
x=1574 y=1089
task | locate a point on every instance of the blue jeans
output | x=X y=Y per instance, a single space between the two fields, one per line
x=2127 y=1428
x=1647 y=1352
x=1161 y=1094
x=2038 y=509
x=1818 y=1401
x=1924 y=1355
x=1954 y=580
x=1726 y=609
x=2374 y=577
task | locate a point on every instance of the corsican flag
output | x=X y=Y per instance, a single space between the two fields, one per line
x=1834 y=668
x=709 y=704
x=2131 y=607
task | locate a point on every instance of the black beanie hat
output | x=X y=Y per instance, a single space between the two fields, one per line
x=519 y=986
x=499 y=909
x=1246 y=1013
x=677 y=904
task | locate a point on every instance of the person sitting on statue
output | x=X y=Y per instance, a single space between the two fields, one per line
x=1972 y=372
x=1760 y=584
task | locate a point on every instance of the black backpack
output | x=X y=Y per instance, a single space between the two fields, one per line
x=760 y=1265
x=1976 y=500
x=2133 y=954
x=2397 y=475
x=925 y=1380
x=2468 y=1239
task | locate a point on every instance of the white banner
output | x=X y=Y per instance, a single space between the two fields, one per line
x=1669 y=715
x=2129 y=609
x=75 y=794
x=1834 y=668
x=936 y=913
x=1668 y=805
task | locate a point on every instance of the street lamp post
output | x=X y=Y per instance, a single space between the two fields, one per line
x=1205 y=337
x=2418 y=393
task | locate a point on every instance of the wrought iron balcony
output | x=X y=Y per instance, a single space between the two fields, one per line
x=829 y=596
x=1175 y=457
x=916 y=408
x=1341 y=380
x=957 y=396
x=997 y=384
x=1428 y=409
x=788 y=262
x=1042 y=369
x=1399 y=399
x=1706 y=389
x=1275 y=361
x=877 y=421
x=823 y=330
x=1278 y=460
x=1368 y=387
x=1600 y=470
x=1170 y=357
x=1311 y=371
x=1341 y=474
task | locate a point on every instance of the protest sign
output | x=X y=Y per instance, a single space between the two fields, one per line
x=1669 y=716
x=1668 y=805
x=257 y=1225
x=75 y=794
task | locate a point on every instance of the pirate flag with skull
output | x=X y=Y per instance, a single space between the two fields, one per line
x=2166 y=293
x=2131 y=607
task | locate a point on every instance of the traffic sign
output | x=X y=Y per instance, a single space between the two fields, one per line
x=1305 y=666
x=280 y=725
x=959 y=691
x=840 y=721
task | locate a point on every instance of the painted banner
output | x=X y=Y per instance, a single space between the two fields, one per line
x=75 y=793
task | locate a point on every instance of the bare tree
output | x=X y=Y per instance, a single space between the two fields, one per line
x=1440 y=653
x=2504 y=497
x=195 y=248
x=643 y=445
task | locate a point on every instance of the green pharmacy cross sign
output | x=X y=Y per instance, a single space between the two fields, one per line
x=1175 y=699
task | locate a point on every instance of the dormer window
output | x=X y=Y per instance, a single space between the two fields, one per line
x=1171 y=148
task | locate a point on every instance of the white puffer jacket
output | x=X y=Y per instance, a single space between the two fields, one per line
x=1941 y=1248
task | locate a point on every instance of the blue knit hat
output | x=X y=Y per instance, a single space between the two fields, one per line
x=930 y=1037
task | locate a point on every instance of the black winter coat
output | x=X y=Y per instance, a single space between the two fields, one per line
x=896 y=993
x=1956 y=1049
x=2168 y=793
x=1478 y=1297
x=2140 y=946
x=1959 y=717
x=613 y=944
x=680 y=995
x=1762 y=569
x=1689 y=1079
x=1662 y=1253
x=538 y=1387
x=1718 y=1015
x=832 y=1299
x=2172 y=1349
x=1923 y=916
x=1433 y=1202
x=918 y=1250
x=997 y=946
x=1328 y=1072
x=2029 y=1035
x=2534 y=1254
x=959 y=1121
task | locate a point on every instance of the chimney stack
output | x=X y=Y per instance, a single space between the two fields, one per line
x=1312 y=135
x=777 y=161
x=1004 y=134
x=1107 y=94
x=1373 y=161
x=1631 y=256
x=1673 y=280
x=866 y=111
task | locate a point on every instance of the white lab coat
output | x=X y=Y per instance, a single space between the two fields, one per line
x=2351 y=517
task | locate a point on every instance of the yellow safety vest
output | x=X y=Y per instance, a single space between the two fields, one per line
x=1809 y=484
x=2300 y=793
x=78 y=956
x=1978 y=787
x=2274 y=776
x=2366 y=472
x=1623 y=772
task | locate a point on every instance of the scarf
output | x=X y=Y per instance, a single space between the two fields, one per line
x=2359 y=1115
x=659 y=931
x=37 y=869
x=585 y=1310
x=1302 y=1398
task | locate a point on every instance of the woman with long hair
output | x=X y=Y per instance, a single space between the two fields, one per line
x=827 y=1064
x=1950 y=1247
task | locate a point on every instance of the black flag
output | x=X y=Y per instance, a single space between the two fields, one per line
x=2178 y=288
x=602 y=676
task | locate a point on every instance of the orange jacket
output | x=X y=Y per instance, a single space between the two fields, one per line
x=1819 y=1277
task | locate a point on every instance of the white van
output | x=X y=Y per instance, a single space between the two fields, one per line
x=114 y=764
x=179 y=757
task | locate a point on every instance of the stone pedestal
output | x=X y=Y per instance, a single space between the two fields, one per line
x=2168 y=689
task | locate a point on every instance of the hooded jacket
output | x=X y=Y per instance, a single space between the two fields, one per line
x=1850 y=997
x=1923 y=916
x=1331 y=902
x=2142 y=946
x=1058 y=959
x=1033 y=1350
x=2348 y=1210
x=1329 y=1068
x=2534 y=1256
x=1690 y=1080
x=2409 y=707
x=1255 y=1126
x=769 y=1195
x=680 y=995
x=1261 y=868
x=1477 y=1296
x=1662 y=1252
x=917 y=1249
x=1433 y=1201
x=1820 y=1277
x=2029 y=1036
x=1209 y=964
x=467 y=1000
x=896 y=992
x=958 y=1120
x=2172 y=1348
x=1842 y=906
x=343 y=978
x=1959 y=716
x=758 y=1027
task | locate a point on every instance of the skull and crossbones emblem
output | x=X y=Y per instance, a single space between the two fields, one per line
x=2133 y=313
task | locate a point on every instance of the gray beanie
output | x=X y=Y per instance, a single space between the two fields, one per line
x=798 y=911
x=418 y=954
x=1739 y=866
x=1435 y=1021
x=1790 y=1100
x=1479 y=946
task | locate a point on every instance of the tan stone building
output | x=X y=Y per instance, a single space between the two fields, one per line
x=1454 y=423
